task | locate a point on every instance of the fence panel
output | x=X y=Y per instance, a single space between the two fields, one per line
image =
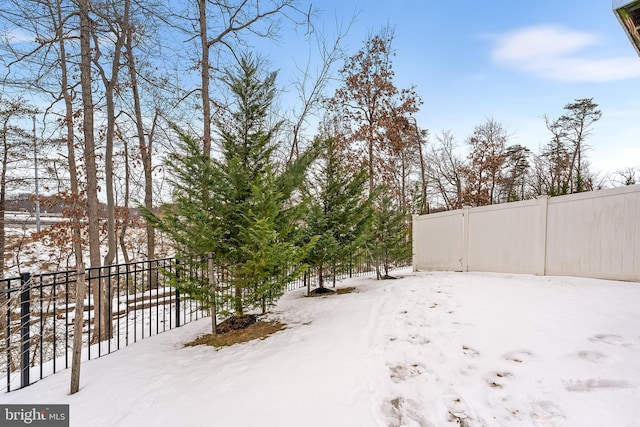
x=594 y=234
x=37 y=315
x=507 y=238
x=438 y=241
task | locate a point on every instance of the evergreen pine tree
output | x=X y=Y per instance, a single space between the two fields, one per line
x=389 y=243
x=238 y=208
x=189 y=219
x=339 y=214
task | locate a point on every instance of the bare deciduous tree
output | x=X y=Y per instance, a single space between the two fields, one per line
x=626 y=176
x=444 y=171
x=89 y=151
x=228 y=19
x=14 y=141
x=483 y=172
x=114 y=22
x=310 y=87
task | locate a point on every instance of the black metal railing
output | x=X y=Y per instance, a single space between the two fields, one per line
x=37 y=312
x=37 y=315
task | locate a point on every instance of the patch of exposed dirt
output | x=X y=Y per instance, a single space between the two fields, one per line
x=237 y=330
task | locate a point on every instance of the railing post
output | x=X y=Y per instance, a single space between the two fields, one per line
x=25 y=320
x=177 y=295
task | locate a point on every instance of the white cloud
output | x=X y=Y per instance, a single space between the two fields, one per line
x=16 y=35
x=559 y=53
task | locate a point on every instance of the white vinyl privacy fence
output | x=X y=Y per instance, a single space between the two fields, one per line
x=594 y=234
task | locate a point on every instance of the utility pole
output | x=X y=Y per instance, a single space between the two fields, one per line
x=35 y=169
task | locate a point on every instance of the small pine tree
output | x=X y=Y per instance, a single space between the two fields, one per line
x=189 y=219
x=237 y=209
x=340 y=214
x=389 y=243
x=271 y=254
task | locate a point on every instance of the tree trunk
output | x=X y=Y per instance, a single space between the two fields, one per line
x=105 y=330
x=111 y=85
x=212 y=284
x=125 y=208
x=206 y=101
x=307 y=281
x=3 y=190
x=76 y=207
x=237 y=300
x=424 y=205
x=89 y=151
x=145 y=146
x=78 y=321
x=320 y=275
x=371 y=167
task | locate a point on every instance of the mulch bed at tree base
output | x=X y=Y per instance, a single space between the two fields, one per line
x=321 y=291
x=318 y=292
x=238 y=329
x=236 y=322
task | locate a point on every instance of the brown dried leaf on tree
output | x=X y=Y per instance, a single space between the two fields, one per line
x=372 y=111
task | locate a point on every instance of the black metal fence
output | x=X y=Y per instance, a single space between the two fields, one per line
x=37 y=313
x=37 y=316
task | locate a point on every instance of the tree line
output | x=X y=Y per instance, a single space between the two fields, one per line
x=167 y=107
x=495 y=171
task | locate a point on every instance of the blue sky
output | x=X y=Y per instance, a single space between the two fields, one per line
x=512 y=61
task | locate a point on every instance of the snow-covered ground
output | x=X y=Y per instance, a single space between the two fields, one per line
x=428 y=349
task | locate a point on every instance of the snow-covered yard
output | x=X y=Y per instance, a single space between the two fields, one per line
x=428 y=349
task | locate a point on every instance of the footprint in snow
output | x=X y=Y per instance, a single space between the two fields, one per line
x=470 y=351
x=497 y=381
x=591 y=356
x=546 y=413
x=404 y=412
x=459 y=412
x=611 y=339
x=400 y=373
x=593 y=384
x=518 y=356
x=418 y=339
